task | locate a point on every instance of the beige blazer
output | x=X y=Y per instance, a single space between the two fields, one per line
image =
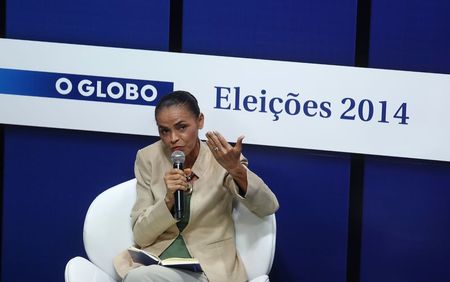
x=209 y=235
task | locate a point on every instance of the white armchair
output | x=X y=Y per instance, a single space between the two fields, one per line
x=107 y=232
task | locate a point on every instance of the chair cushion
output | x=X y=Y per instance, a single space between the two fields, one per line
x=80 y=269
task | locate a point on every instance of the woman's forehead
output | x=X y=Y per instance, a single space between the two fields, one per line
x=174 y=114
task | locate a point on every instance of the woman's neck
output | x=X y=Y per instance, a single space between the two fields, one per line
x=192 y=157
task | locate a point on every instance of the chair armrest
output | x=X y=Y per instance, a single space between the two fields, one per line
x=79 y=269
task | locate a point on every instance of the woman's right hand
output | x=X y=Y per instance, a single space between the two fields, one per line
x=175 y=179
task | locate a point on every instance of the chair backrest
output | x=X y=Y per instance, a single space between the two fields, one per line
x=107 y=226
x=107 y=231
x=255 y=240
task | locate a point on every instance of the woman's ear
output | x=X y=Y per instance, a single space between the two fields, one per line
x=200 y=120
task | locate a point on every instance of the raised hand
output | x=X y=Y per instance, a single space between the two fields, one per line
x=228 y=156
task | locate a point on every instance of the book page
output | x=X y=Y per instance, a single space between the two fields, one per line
x=171 y=261
x=183 y=263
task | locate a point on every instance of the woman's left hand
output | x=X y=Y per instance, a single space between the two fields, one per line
x=228 y=156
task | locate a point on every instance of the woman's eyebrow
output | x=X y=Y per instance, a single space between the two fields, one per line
x=180 y=122
x=176 y=124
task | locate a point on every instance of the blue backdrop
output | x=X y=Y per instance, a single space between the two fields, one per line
x=51 y=175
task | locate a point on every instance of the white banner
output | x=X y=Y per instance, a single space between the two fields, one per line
x=285 y=104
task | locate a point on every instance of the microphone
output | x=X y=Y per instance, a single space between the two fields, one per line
x=178 y=161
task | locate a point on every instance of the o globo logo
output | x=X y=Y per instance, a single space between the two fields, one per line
x=103 y=89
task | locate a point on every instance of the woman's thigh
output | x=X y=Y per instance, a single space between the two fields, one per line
x=157 y=273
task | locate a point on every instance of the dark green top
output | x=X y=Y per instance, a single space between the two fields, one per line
x=178 y=247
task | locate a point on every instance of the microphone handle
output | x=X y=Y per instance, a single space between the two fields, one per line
x=179 y=198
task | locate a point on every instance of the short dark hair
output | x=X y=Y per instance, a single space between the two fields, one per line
x=179 y=98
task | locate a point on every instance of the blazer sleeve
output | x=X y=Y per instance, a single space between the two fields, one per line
x=259 y=199
x=150 y=217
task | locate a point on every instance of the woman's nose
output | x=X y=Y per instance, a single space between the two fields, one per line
x=174 y=138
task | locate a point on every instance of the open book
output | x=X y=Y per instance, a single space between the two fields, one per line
x=144 y=258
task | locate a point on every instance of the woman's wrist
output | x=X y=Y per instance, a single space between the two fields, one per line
x=237 y=170
x=169 y=200
x=239 y=175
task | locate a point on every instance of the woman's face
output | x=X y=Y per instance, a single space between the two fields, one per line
x=178 y=128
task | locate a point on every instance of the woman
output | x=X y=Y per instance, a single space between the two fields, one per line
x=214 y=174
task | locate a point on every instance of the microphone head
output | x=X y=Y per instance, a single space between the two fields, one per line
x=177 y=157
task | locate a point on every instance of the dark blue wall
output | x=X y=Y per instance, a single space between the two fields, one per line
x=115 y=23
x=51 y=175
x=406 y=222
x=320 y=31
x=411 y=35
